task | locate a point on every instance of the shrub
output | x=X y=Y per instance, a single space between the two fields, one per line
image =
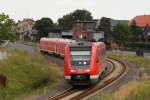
x=25 y=73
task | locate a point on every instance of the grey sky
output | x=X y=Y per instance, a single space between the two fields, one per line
x=117 y=9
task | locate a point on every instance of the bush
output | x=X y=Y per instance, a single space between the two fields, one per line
x=142 y=93
x=25 y=73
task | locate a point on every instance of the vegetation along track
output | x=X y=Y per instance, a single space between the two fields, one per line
x=117 y=70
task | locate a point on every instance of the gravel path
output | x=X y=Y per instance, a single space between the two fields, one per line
x=21 y=47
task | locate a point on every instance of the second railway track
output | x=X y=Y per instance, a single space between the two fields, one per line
x=117 y=70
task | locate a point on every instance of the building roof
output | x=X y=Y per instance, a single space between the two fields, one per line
x=141 y=21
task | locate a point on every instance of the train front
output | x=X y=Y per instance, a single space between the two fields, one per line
x=77 y=63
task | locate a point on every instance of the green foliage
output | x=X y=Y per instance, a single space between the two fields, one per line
x=25 y=74
x=78 y=15
x=43 y=26
x=136 y=31
x=7 y=28
x=121 y=33
x=105 y=25
x=143 y=92
x=103 y=96
x=66 y=22
x=81 y=15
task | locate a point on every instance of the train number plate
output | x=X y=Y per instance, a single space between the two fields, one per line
x=80 y=71
x=80 y=77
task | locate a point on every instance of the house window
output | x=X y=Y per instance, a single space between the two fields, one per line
x=81 y=36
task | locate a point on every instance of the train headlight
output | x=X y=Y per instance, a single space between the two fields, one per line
x=84 y=62
x=88 y=70
x=80 y=63
x=72 y=71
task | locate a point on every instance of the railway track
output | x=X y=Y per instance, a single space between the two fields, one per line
x=117 y=70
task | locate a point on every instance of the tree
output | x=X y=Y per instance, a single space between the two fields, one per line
x=7 y=28
x=78 y=15
x=136 y=31
x=66 y=21
x=82 y=15
x=146 y=31
x=121 y=33
x=105 y=25
x=43 y=26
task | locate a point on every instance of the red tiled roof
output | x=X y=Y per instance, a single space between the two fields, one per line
x=141 y=21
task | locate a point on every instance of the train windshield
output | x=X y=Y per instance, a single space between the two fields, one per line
x=80 y=57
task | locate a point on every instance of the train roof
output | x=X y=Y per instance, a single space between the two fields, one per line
x=59 y=39
x=100 y=43
x=47 y=39
x=73 y=43
x=80 y=44
x=85 y=44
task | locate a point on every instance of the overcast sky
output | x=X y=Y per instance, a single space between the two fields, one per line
x=116 y=9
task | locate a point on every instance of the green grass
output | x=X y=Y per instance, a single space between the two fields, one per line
x=143 y=92
x=1 y=49
x=103 y=96
x=139 y=61
x=25 y=73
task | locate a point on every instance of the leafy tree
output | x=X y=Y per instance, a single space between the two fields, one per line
x=82 y=15
x=146 y=31
x=136 y=31
x=7 y=28
x=105 y=25
x=121 y=33
x=43 y=26
x=66 y=21
x=78 y=15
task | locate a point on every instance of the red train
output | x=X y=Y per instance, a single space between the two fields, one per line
x=84 y=62
x=53 y=45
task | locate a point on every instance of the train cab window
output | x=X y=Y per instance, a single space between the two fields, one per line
x=80 y=55
x=80 y=58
